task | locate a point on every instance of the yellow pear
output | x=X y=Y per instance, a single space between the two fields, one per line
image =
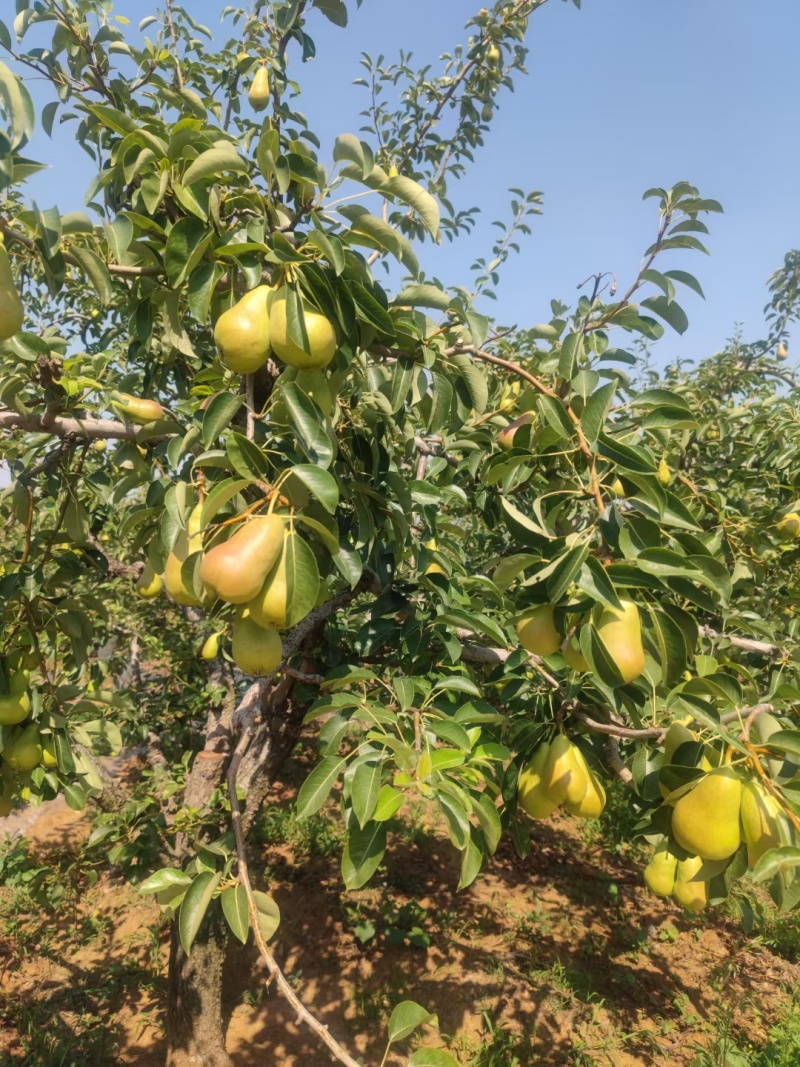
x=270 y=606
x=12 y=313
x=574 y=657
x=435 y=568
x=537 y=632
x=562 y=775
x=256 y=650
x=49 y=757
x=321 y=337
x=15 y=704
x=789 y=526
x=505 y=438
x=617 y=489
x=493 y=55
x=760 y=813
x=705 y=821
x=188 y=542
x=659 y=874
x=591 y=804
x=242 y=332
x=23 y=749
x=621 y=633
x=136 y=408
x=149 y=584
x=664 y=473
x=235 y=570
x=783 y=351
x=692 y=895
x=259 y=90
x=210 y=649
x=533 y=797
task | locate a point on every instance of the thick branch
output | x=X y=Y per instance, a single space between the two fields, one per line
x=91 y=429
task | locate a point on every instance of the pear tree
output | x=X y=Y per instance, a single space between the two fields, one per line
x=494 y=568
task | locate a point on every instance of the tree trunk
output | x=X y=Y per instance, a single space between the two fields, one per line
x=196 y=1024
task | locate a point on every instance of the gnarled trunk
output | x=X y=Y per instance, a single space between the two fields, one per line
x=196 y=1023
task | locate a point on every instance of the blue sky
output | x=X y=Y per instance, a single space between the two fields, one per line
x=622 y=95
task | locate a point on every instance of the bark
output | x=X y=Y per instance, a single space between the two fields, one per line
x=196 y=1023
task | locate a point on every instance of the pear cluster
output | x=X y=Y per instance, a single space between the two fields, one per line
x=24 y=746
x=619 y=630
x=253 y=570
x=257 y=327
x=559 y=774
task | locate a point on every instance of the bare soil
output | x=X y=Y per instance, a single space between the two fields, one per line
x=559 y=959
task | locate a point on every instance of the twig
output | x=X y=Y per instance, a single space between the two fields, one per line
x=425 y=448
x=83 y=429
x=748 y=644
x=174 y=36
x=11 y=234
x=615 y=761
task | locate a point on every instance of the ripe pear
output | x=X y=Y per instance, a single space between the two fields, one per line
x=659 y=874
x=591 y=804
x=100 y=445
x=617 y=489
x=12 y=313
x=692 y=895
x=235 y=570
x=271 y=604
x=789 y=526
x=23 y=749
x=15 y=704
x=537 y=632
x=137 y=409
x=760 y=814
x=321 y=337
x=149 y=584
x=210 y=649
x=256 y=650
x=574 y=657
x=664 y=473
x=705 y=821
x=783 y=351
x=189 y=541
x=533 y=797
x=259 y=90
x=621 y=633
x=435 y=568
x=242 y=332
x=505 y=438
x=562 y=775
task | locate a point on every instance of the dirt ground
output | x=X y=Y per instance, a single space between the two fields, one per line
x=559 y=959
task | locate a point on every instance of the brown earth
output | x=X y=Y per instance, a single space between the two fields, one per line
x=559 y=959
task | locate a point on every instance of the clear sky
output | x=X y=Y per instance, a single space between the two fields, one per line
x=622 y=95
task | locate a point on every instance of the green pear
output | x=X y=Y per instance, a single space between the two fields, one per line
x=256 y=650
x=659 y=874
x=533 y=797
x=188 y=542
x=621 y=633
x=242 y=332
x=505 y=438
x=322 y=342
x=705 y=821
x=12 y=313
x=789 y=527
x=236 y=569
x=678 y=734
x=574 y=657
x=537 y=631
x=259 y=93
x=137 y=409
x=210 y=649
x=15 y=704
x=760 y=814
x=23 y=749
x=693 y=895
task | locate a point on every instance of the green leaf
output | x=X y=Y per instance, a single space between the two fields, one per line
x=302 y=578
x=365 y=790
x=669 y=311
x=234 y=908
x=333 y=10
x=311 y=434
x=432 y=1057
x=784 y=741
x=566 y=571
x=269 y=915
x=593 y=579
x=96 y=271
x=423 y=296
x=186 y=243
x=222 y=158
x=774 y=862
x=246 y=457
x=407 y=1017
x=417 y=198
x=458 y=683
x=320 y=483
x=18 y=106
x=363 y=854
x=380 y=235
x=390 y=801
x=596 y=410
x=688 y=280
x=627 y=457
x=164 y=879
x=194 y=906
x=315 y=789
x=219 y=414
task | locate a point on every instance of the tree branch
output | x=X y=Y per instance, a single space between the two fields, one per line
x=84 y=429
